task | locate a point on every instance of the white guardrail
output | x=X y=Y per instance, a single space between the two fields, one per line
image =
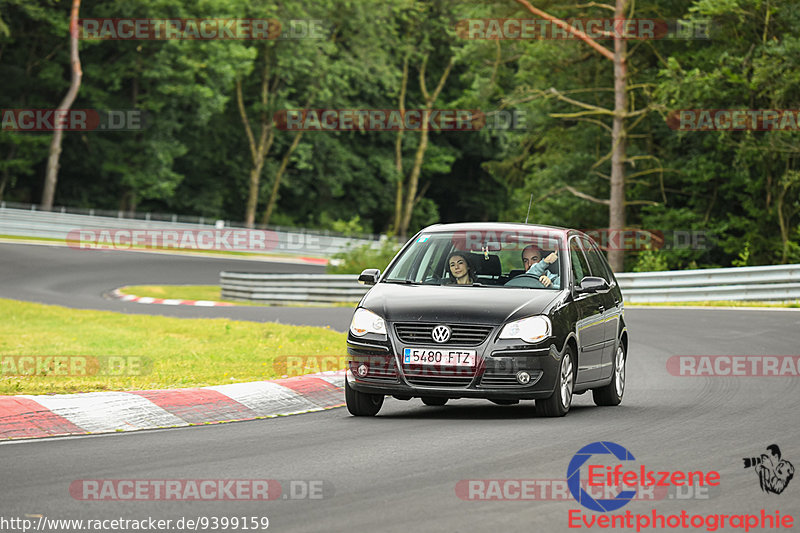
x=764 y=283
x=58 y=225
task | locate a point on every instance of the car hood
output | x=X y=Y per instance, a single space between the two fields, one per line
x=476 y=305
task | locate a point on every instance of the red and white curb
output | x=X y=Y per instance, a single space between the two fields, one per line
x=117 y=293
x=26 y=416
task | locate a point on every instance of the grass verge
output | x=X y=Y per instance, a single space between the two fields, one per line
x=176 y=352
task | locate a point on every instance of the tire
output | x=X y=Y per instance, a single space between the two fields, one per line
x=361 y=403
x=611 y=394
x=433 y=401
x=559 y=402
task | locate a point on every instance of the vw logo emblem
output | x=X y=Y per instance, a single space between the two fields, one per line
x=441 y=334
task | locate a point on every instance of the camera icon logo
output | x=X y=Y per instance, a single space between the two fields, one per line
x=774 y=473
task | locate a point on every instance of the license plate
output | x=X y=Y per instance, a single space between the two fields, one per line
x=438 y=357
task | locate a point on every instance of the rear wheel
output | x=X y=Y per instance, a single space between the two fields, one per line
x=433 y=401
x=558 y=404
x=361 y=403
x=612 y=393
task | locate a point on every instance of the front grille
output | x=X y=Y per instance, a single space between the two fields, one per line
x=438 y=377
x=461 y=334
x=491 y=379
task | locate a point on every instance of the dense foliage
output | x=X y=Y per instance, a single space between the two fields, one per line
x=739 y=190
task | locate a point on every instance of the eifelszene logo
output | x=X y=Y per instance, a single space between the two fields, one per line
x=574 y=477
x=774 y=473
x=594 y=457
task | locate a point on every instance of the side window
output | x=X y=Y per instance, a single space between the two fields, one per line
x=579 y=267
x=596 y=261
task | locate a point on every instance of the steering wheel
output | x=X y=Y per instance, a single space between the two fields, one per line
x=431 y=277
x=525 y=280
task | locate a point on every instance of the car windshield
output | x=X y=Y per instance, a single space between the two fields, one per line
x=481 y=258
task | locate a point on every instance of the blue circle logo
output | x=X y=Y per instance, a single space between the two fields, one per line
x=574 y=477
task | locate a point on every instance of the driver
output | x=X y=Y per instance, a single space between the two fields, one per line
x=460 y=269
x=535 y=265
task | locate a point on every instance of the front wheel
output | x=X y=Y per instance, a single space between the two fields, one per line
x=361 y=403
x=558 y=403
x=612 y=393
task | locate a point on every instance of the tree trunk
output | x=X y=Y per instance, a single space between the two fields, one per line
x=616 y=202
x=273 y=197
x=413 y=178
x=51 y=177
x=6 y=172
x=252 y=195
x=398 y=154
x=782 y=224
x=3 y=183
x=616 y=212
x=259 y=150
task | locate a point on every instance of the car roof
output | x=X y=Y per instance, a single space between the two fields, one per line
x=497 y=226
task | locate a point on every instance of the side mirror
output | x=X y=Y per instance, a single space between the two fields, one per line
x=369 y=276
x=591 y=284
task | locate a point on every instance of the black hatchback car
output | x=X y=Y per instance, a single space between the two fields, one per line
x=456 y=315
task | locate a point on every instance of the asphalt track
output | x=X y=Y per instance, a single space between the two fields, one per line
x=82 y=279
x=399 y=471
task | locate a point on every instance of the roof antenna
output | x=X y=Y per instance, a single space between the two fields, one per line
x=529 y=209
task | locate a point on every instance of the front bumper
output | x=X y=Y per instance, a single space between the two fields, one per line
x=494 y=377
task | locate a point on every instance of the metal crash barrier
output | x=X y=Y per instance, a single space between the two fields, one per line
x=764 y=283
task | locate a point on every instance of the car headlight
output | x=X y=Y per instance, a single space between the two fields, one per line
x=365 y=321
x=531 y=329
